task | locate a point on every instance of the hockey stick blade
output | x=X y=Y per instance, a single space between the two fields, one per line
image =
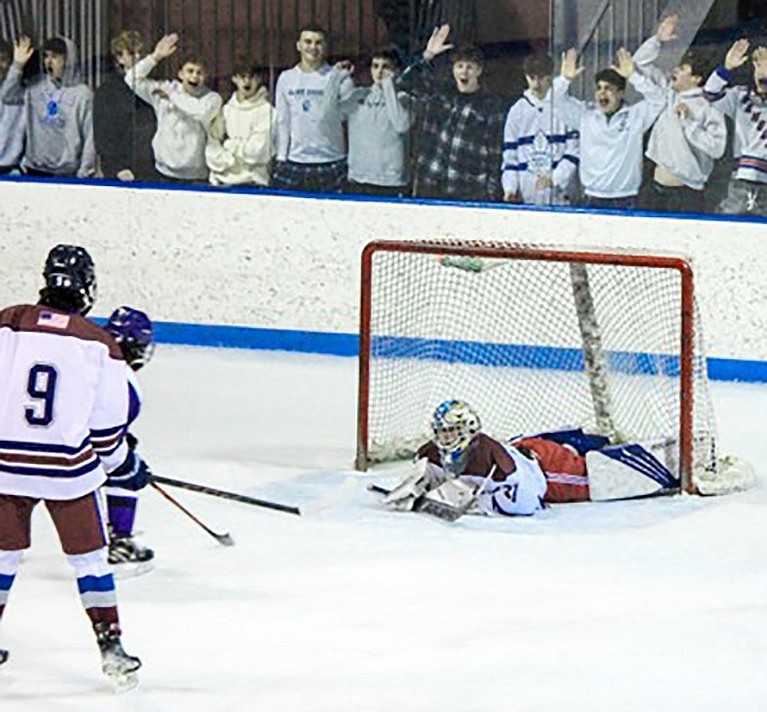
x=440 y=510
x=223 y=539
x=234 y=496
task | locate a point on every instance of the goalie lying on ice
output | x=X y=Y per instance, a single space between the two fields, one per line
x=468 y=469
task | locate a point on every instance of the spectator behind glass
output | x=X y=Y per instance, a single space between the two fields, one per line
x=184 y=107
x=241 y=141
x=123 y=124
x=688 y=136
x=461 y=134
x=58 y=111
x=11 y=118
x=310 y=143
x=378 y=126
x=747 y=107
x=540 y=152
x=611 y=131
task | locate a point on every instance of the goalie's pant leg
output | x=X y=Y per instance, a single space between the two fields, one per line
x=82 y=533
x=565 y=470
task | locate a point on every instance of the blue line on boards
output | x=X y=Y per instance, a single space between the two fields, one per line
x=341 y=344
x=348 y=197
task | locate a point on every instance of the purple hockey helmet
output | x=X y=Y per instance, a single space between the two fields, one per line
x=133 y=330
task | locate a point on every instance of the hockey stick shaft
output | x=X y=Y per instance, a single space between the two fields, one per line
x=236 y=497
x=223 y=539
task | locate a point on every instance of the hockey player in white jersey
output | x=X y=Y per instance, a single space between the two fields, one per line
x=133 y=330
x=63 y=414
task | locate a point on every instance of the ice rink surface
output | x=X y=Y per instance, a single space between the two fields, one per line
x=621 y=607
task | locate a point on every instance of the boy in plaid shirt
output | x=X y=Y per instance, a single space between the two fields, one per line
x=461 y=134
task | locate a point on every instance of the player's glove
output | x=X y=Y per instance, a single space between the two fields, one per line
x=133 y=474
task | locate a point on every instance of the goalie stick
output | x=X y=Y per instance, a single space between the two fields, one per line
x=440 y=510
x=243 y=498
x=223 y=539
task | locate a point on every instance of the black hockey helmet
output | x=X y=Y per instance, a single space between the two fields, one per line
x=70 y=280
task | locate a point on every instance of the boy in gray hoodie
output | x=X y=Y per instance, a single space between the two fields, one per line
x=379 y=119
x=58 y=111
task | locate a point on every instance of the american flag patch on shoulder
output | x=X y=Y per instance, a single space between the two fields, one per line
x=55 y=321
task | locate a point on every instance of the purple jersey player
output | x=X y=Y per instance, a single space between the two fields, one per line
x=133 y=331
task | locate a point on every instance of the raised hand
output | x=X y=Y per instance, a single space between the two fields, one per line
x=737 y=54
x=682 y=111
x=345 y=65
x=570 y=69
x=167 y=45
x=437 y=43
x=759 y=58
x=625 y=66
x=667 y=28
x=23 y=50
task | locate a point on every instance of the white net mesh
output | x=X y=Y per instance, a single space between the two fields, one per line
x=513 y=337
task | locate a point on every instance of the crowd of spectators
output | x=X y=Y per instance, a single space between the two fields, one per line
x=427 y=129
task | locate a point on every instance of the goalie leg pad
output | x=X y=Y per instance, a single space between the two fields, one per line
x=626 y=471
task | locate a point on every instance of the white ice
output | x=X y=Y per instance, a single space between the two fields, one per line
x=633 y=606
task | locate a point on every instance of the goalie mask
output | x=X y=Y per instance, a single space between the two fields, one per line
x=454 y=424
x=133 y=331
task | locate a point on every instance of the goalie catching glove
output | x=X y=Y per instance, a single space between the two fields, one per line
x=133 y=474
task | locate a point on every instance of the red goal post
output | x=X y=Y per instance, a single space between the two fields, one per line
x=418 y=345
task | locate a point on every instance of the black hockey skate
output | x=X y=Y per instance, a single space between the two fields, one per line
x=3 y=656
x=120 y=668
x=125 y=550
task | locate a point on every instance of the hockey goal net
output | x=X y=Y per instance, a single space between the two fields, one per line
x=535 y=339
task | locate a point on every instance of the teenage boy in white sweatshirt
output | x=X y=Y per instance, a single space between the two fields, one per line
x=241 y=141
x=688 y=136
x=611 y=131
x=185 y=108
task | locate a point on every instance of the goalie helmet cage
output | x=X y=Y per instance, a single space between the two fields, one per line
x=535 y=339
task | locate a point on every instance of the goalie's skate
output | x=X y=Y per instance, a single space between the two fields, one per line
x=119 y=668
